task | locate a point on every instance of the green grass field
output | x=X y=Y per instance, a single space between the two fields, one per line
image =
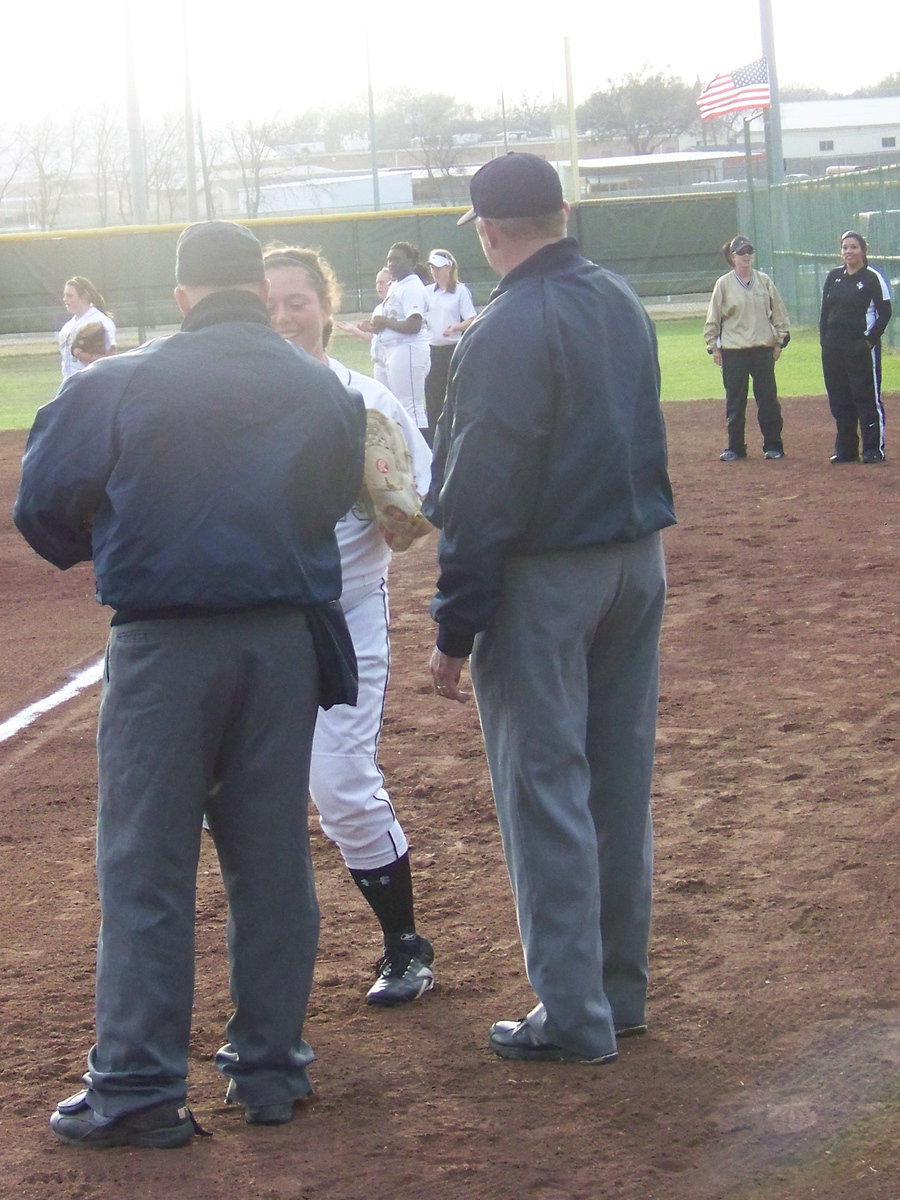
x=28 y=380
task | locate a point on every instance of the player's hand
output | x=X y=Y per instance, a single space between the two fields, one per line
x=445 y=675
x=776 y=353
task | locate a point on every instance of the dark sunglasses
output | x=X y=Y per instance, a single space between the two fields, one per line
x=745 y=250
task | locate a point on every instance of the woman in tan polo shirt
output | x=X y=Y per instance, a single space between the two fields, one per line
x=747 y=327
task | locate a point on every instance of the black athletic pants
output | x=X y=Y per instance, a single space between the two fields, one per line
x=853 y=382
x=436 y=387
x=738 y=367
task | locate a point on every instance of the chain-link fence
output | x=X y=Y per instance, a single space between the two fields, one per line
x=797 y=229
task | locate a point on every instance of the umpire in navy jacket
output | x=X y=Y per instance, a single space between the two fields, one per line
x=203 y=473
x=550 y=488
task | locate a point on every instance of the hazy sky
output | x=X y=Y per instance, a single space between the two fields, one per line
x=287 y=57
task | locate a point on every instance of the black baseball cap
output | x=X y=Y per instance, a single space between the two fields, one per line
x=740 y=243
x=218 y=254
x=516 y=185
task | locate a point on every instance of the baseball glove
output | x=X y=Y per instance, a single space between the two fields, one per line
x=89 y=340
x=388 y=482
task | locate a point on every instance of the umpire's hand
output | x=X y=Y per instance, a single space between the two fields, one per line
x=445 y=675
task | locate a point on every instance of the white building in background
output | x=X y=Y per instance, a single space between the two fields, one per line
x=817 y=134
x=848 y=128
x=333 y=193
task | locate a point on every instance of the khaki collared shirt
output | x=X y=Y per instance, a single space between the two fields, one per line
x=741 y=316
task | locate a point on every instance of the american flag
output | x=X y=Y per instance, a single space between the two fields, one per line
x=747 y=87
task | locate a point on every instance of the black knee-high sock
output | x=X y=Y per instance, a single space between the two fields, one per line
x=389 y=892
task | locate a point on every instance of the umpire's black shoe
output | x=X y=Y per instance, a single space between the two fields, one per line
x=520 y=1040
x=404 y=973
x=626 y=1031
x=163 y=1127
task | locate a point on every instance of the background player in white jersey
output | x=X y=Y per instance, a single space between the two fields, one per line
x=363 y=329
x=85 y=306
x=402 y=332
x=346 y=784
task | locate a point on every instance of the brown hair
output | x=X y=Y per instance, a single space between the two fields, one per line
x=318 y=270
x=86 y=288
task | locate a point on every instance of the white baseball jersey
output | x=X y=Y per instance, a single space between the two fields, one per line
x=71 y=365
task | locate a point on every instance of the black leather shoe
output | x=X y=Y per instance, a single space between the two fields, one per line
x=265 y=1114
x=164 y=1126
x=518 y=1039
x=624 y=1031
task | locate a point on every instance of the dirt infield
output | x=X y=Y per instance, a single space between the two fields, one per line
x=772 y=1067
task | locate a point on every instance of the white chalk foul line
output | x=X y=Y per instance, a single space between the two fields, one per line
x=84 y=679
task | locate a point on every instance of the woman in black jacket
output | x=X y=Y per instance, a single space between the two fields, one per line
x=856 y=307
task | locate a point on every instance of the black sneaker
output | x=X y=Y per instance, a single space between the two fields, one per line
x=873 y=456
x=163 y=1127
x=404 y=972
x=836 y=459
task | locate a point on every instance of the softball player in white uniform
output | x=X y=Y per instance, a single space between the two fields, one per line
x=403 y=334
x=346 y=784
x=87 y=307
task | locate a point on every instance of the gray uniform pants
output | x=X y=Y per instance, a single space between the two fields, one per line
x=566 y=680
x=187 y=703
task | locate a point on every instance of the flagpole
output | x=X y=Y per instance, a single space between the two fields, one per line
x=774 y=148
x=748 y=166
x=574 y=166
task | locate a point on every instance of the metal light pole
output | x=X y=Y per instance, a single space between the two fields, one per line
x=190 y=160
x=774 y=148
x=574 y=174
x=373 y=146
x=138 y=173
x=135 y=132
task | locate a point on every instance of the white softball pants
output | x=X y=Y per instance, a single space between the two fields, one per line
x=407 y=365
x=345 y=782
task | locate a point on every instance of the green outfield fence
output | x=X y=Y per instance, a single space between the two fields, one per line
x=667 y=246
x=797 y=229
x=664 y=245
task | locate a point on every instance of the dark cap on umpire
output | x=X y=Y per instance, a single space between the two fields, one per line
x=218 y=254
x=516 y=185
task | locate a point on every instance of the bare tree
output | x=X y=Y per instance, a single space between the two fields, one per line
x=534 y=114
x=252 y=143
x=427 y=123
x=105 y=144
x=213 y=145
x=164 y=148
x=13 y=153
x=51 y=151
